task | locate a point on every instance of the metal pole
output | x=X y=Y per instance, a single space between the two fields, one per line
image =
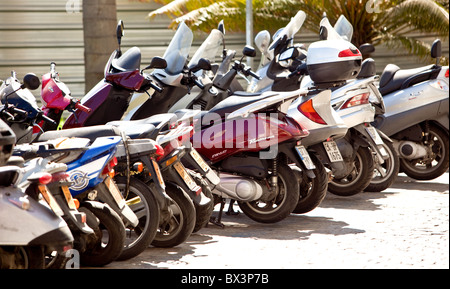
x=249 y=28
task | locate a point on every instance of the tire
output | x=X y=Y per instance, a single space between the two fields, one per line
x=147 y=209
x=282 y=205
x=202 y=213
x=22 y=257
x=358 y=179
x=390 y=167
x=107 y=245
x=314 y=190
x=436 y=165
x=180 y=226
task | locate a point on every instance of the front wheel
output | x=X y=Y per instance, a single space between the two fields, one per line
x=312 y=191
x=142 y=202
x=359 y=177
x=435 y=163
x=385 y=174
x=180 y=224
x=108 y=239
x=279 y=207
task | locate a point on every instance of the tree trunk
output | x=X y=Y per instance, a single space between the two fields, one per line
x=99 y=28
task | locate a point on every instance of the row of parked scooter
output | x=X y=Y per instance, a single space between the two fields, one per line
x=143 y=158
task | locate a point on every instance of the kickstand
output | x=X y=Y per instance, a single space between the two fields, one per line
x=218 y=221
x=230 y=211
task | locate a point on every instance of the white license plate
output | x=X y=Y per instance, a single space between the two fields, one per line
x=199 y=160
x=333 y=151
x=115 y=192
x=305 y=157
x=374 y=135
x=185 y=176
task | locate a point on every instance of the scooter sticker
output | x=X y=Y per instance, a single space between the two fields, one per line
x=80 y=180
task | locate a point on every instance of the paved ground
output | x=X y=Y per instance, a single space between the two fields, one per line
x=406 y=226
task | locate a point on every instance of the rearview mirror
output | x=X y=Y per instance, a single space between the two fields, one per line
x=436 y=49
x=289 y=53
x=119 y=31
x=203 y=63
x=366 y=48
x=249 y=51
x=221 y=27
x=157 y=62
x=31 y=81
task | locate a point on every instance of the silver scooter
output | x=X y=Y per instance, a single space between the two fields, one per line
x=417 y=116
x=30 y=229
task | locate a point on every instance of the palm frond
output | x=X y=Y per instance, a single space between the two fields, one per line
x=412 y=45
x=423 y=15
x=177 y=8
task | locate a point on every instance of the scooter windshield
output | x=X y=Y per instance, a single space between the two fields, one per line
x=209 y=48
x=290 y=29
x=178 y=50
x=344 y=28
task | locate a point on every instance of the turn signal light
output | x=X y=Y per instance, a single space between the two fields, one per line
x=307 y=109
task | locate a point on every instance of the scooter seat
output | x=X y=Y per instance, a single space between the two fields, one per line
x=90 y=132
x=393 y=78
x=145 y=128
x=129 y=61
x=135 y=129
x=236 y=101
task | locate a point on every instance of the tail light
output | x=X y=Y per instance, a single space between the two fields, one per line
x=160 y=151
x=307 y=109
x=45 y=178
x=109 y=168
x=446 y=73
x=61 y=176
x=359 y=99
x=349 y=53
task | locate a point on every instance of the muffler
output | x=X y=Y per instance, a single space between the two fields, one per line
x=238 y=188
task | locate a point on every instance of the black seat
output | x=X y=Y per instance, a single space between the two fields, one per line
x=236 y=101
x=90 y=132
x=129 y=61
x=393 y=78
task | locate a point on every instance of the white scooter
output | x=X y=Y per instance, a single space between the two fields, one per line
x=330 y=65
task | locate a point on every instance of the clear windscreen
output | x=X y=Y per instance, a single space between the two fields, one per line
x=209 y=48
x=178 y=50
x=344 y=28
x=290 y=29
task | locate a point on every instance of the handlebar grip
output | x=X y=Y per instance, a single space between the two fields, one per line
x=81 y=107
x=199 y=84
x=156 y=87
x=47 y=119
x=254 y=75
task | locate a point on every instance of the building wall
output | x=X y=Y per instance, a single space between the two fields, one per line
x=34 y=33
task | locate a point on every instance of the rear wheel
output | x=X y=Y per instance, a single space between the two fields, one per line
x=281 y=205
x=312 y=191
x=108 y=239
x=141 y=201
x=386 y=173
x=359 y=177
x=22 y=257
x=433 y=165
x=179 y=226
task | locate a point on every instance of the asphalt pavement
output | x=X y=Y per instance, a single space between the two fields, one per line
x=405 y=226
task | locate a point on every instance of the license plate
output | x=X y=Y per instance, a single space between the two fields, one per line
x=51 y=201
x=199 y=160
x=374 y=135
x=185 y=176
x=333 y=151
x=69 y=198
x=158 y=174
x=115 y=192
x=305 y=157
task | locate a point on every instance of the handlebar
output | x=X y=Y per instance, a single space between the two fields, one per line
x=81 y=107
